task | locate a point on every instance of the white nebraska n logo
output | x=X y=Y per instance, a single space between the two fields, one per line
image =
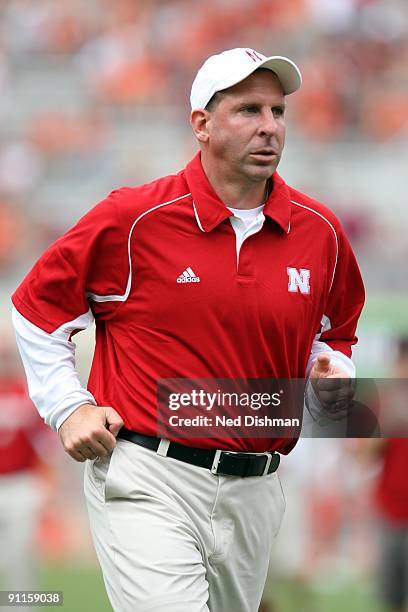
x=298 y=280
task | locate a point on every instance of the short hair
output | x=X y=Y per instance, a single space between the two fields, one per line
x=212 y=103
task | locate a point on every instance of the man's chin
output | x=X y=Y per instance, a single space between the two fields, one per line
x=261 y=173
x=263 y=169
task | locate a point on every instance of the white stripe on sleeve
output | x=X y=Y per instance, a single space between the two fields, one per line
x=49 y=363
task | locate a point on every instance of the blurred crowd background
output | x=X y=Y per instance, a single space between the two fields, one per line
x=94 y=95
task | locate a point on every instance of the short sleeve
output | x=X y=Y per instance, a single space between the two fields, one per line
x=89 y=259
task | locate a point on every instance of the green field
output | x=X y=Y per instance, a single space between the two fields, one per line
x=350 y=597
x=82 y=587
x=84 y=592
x=389 y=311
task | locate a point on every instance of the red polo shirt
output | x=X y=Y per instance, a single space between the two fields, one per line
x=248 y=319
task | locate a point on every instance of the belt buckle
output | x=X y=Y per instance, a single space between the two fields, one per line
x=216 y=460
x=251 y=460
x=250 y=457
x=268 y=463
x=163 y=447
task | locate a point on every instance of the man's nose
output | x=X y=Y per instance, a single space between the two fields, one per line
x=268 y=124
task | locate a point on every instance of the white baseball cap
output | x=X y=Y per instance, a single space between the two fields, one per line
x=233 y=66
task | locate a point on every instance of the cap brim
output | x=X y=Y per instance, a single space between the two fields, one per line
x=286 y=71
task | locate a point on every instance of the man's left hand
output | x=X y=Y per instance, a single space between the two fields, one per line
x=333 y=386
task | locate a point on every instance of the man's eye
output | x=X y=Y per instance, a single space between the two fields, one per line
x=250 y=109
x=278 y=111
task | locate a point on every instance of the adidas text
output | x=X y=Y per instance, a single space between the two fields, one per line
x=184 y=279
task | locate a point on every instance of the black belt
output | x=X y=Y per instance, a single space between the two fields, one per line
x=219 y=462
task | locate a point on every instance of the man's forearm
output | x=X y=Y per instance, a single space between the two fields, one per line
x=49 y=363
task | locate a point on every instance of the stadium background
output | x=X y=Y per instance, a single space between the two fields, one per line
x=95 y=95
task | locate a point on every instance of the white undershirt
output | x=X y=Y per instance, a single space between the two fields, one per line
x=245 y=223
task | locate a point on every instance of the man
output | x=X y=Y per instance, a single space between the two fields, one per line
x=220 y=271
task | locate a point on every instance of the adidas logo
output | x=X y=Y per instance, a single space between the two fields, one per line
x=188 y=276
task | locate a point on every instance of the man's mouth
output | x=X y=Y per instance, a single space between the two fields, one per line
x=266 y=154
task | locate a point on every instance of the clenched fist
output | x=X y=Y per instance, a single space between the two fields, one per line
x=90 y=431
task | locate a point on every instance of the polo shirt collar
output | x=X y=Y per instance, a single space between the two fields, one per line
x=278 y=205
x=210 y=211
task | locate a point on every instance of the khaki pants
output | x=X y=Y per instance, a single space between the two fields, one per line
x=174 y=537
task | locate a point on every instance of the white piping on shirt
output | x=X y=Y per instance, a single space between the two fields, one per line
x=198 y=218
x=124 y=297
x=333 y=230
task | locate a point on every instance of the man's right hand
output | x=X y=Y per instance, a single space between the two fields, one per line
x=90 y=432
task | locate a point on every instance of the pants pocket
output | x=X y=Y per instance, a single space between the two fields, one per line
x=99 y=469
x=278 y=502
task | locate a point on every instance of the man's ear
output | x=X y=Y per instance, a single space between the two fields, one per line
x=199 y=122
